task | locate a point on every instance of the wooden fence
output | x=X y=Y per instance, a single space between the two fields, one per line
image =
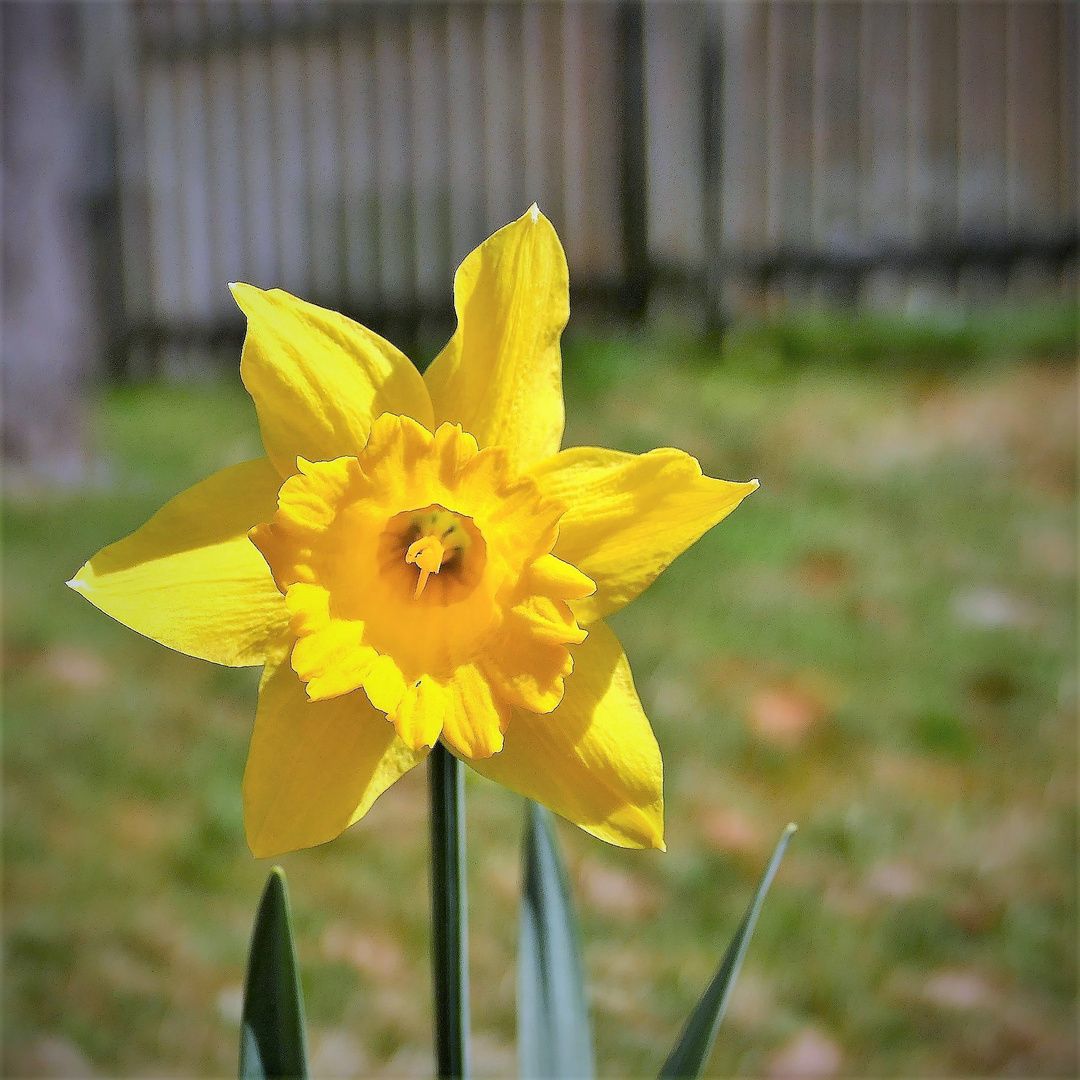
x=896 y=151
x=893 y=151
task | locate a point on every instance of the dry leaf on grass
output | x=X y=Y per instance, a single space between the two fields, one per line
x=615 y=893
x=809 y=1055
x=785 y=716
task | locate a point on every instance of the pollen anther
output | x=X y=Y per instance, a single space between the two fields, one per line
x=428 y=554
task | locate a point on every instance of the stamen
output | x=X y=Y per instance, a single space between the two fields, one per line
x=427 y=553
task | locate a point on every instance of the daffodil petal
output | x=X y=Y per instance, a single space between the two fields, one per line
x=527 y=658
x=315 y=767
x=474 y=716
x=419 y=714
x=629 y=516
x=190 y=577
x=319 y=379
x=500 y=375
x=594 y=760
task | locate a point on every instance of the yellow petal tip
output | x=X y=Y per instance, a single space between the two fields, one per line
x=78 y=583
x=239 y=289
x=534 y=213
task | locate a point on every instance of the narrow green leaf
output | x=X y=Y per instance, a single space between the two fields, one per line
x=272 y=1040
x=554 y=1037
x=697 y=1038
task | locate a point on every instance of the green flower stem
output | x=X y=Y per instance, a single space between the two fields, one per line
x=449 y=915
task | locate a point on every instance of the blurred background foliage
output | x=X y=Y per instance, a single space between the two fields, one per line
x=879 y=645
x=830 y=245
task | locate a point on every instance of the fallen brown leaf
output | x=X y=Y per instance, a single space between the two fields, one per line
x=808 y=1054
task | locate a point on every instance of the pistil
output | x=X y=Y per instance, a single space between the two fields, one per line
x=428 y=554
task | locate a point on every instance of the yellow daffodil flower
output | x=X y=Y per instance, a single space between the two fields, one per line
x=415 y=559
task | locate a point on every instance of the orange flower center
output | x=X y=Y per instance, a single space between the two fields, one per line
x=442 y=538
x=419 y=566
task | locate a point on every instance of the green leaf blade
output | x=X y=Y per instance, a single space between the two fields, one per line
x=273 y=1044
x=554 y=1036
x=696 y=1041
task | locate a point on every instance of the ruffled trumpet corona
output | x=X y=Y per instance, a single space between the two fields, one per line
x=415 y=559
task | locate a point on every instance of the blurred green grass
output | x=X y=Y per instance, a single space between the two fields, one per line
x=879 y=644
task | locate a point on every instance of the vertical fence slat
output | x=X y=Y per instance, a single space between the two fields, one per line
x=320 y=106
x=983 y=185
x=573 y=133
x=346 y=297
x=195 y=201
x=601 y=231
x=934 y=130
x=230 y=260
x=128 y=97
x=257 y=164
x=500 y=63
x=355 y=81
x=1032 y=119
x=884 y=131
x=745 y=208
x=673 y=122
x=542 y=109
x=290 y=161
x=214 y=100
x=431 y=154
x=1032 y=103
x=632 y=127
x=1069 y=136
x=712 y=118
x=165 y=225
x=983 y=179
x=790 y=126
x=836 y=133
x=465 y=124
x=883 y=207
x=934 y=135
x=393 y=164
x=793 y=37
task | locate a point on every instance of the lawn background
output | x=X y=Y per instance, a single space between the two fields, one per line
x=879 y=644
